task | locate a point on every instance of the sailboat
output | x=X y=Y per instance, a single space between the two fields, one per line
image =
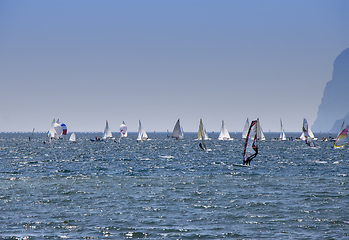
x=142 y=135
x=107 y=132
x=72 y=138
x=310 y=133
x=202 y=132
x=309 y=140
x=260 y=134
x=341 y=139
x=56 y=130
x=282 y=136
x=123 y=130
x=246 y=127
x=250 y=148
x=202 y=144
x=178 y=133
x=168 y=134
x=224 y=134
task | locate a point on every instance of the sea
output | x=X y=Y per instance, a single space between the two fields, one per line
x=171 y=189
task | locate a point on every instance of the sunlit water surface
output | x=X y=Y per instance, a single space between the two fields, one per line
x=168 y=189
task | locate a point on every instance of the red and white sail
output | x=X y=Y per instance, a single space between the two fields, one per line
x=123 y=130
x=251 y=149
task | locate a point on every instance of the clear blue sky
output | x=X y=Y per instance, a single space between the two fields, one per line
x=85 y=62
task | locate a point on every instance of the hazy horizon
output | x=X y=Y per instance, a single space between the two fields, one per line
x=86 y=62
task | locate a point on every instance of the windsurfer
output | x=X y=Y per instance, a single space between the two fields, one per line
x=202 y=147
x=247 y=162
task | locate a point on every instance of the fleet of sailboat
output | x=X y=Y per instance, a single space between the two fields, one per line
x=253 y=134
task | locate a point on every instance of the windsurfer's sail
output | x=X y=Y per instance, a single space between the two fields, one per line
x=245 y=131
x=32 y=134
x=224 y=134
x=142 y=135
x=309 y=140
x=341 y=139
x=250 y=148
x=107 y=131
x=178 y=131
x=72 y=137
x=123 y=130
x=202 y=132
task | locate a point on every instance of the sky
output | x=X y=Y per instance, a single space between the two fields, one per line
x=86 y=62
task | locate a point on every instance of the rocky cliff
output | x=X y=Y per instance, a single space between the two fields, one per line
x=335 y=101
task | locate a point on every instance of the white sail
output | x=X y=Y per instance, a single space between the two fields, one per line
x=123 y=130
x=51 y=132
x=178 y=131
x=282 y=132
x=107 y=131
x=56 y=130
x=224 y=134
x=202 y=132
x=283 y=136
x=302 y=137
x=308 y=130
x=72 y=137
x=260 y=134
x=246 y=127
x=309 y=140
x=142 y=135
x=250 y=148
x=311 y=134
x=181 y=133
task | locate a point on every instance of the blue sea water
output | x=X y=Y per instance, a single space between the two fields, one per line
x=168 y=189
